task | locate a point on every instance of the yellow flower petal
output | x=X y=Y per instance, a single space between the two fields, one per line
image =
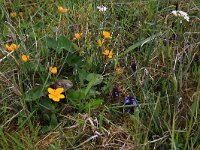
x=21 y=14
x=106 y=35
x=62 y=10
x=106 y=52
x=51 y=96
x=57 y=99
x=59 y=90
x=53 y=70
x=13 y=14
x=50 y=90
x=78 y=35
x=119 y=70
x=110 y=55
x=61 y=96
x=100 y=42
x=24 y=58
x=9 y=48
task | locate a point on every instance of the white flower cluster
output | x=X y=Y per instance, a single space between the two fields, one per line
x=181 y=13
x=102 y=8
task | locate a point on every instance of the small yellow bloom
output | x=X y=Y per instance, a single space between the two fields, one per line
x=55 y=94
x=78 y=35
x=13 y=14
x=106 y=35
x=100 y=42
x=24 y=58
x=11 y=47
x=119 y=70
x=53 y=70
x=62 y=10
x=21 y=14
x=108 y=53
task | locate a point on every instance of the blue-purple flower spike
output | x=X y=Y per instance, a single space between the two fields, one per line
x=130 y=100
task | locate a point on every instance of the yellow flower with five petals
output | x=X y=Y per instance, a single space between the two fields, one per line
x=55 y=94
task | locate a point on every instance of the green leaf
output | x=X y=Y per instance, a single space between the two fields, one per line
x=54 y=121
x=140 y=43
x=93 y=79
x=64 y=43
x=47 y=103
x=34 y=93
x=51 y=43
x=39 y=25
x=75 y=60
x=96 y=78
x=82 y=75
x=77 y=95
x=93 y=104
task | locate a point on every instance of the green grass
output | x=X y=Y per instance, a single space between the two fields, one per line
x=157 y=52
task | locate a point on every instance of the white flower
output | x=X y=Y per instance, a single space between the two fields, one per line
x=181 y=13
x=102 y=8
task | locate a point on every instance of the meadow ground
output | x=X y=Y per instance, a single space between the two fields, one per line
x=85 y=74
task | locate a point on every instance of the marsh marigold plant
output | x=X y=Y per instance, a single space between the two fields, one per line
x=55 y=94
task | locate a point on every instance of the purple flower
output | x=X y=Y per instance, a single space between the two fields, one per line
x=115 y=93
x=130 y=100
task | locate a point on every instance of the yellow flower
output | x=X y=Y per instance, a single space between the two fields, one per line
x=106 y=35
x=21 y=14
x=55 y=94
x=100 y=42
x=119 y=70
x=11 y=47
x=62 y=10
x=53 y=70
x=24 y=58
x=108 y=53
x=13 y=14
x=78 y=35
